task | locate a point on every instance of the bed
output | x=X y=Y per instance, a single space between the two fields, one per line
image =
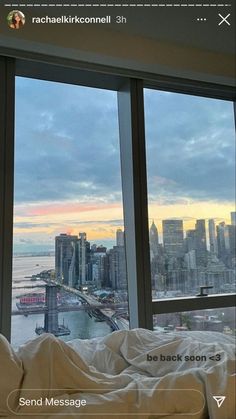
x=127 y=374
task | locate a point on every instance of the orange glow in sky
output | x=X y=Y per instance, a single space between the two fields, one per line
x=100 y=221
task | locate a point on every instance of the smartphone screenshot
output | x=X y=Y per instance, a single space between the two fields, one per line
x=117 y=209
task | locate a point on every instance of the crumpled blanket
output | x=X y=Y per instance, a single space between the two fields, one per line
x=127 y=374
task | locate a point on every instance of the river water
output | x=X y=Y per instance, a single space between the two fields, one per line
x=23 y=328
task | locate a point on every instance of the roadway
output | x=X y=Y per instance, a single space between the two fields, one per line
x=66 y=308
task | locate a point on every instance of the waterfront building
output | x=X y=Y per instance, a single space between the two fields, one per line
x=66 y=259
x=84 y=260
x=72 y=260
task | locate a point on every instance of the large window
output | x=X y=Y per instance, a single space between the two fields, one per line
x=75 y=255
x=190 y=144
x=69 y=266
x=191 y=194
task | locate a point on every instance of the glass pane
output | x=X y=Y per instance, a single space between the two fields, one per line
x=215 y=320
x=69 y=267
x=191 y=193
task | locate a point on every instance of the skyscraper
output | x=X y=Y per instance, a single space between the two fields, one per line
x=190 y=249
x=153 y=240
x=190 y=259
x=212 y=236
x=173 y=237
x=98 y=261
x=233 y=218
x=118 y=276
x=200 y=243
x=232 y=240
x=120 y=237
x=221 y=240
x=190 y=240
x=66 y=259
x=83 y=258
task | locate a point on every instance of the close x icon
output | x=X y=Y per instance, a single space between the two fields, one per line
x=224 y=19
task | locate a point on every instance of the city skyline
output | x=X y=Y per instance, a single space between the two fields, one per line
x=159 y=228
x=181 y=263
x=41 y=224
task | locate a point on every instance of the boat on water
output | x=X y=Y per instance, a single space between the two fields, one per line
x=31 y=300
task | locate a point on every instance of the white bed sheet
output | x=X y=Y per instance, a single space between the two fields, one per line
x=113 y=375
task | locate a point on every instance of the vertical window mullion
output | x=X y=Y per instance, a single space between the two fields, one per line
x=235 y=114
x=134 y=184
x=7 y=99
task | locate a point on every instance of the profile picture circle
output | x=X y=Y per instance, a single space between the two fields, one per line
x=15 y=19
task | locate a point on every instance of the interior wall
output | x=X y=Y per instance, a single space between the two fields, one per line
x=131 y=47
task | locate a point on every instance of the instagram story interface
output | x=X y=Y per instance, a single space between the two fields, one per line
x=117 y=209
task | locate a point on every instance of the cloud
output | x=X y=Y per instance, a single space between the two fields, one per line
x=67 y=147
x=66 y=223
x=65 y=208
x=26 y=241
x=115 y=223
x=29 y=225
x=191 y=145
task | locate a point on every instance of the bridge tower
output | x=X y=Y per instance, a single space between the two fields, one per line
x=51 y=314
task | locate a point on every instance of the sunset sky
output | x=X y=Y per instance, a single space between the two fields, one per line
x=67 y=162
